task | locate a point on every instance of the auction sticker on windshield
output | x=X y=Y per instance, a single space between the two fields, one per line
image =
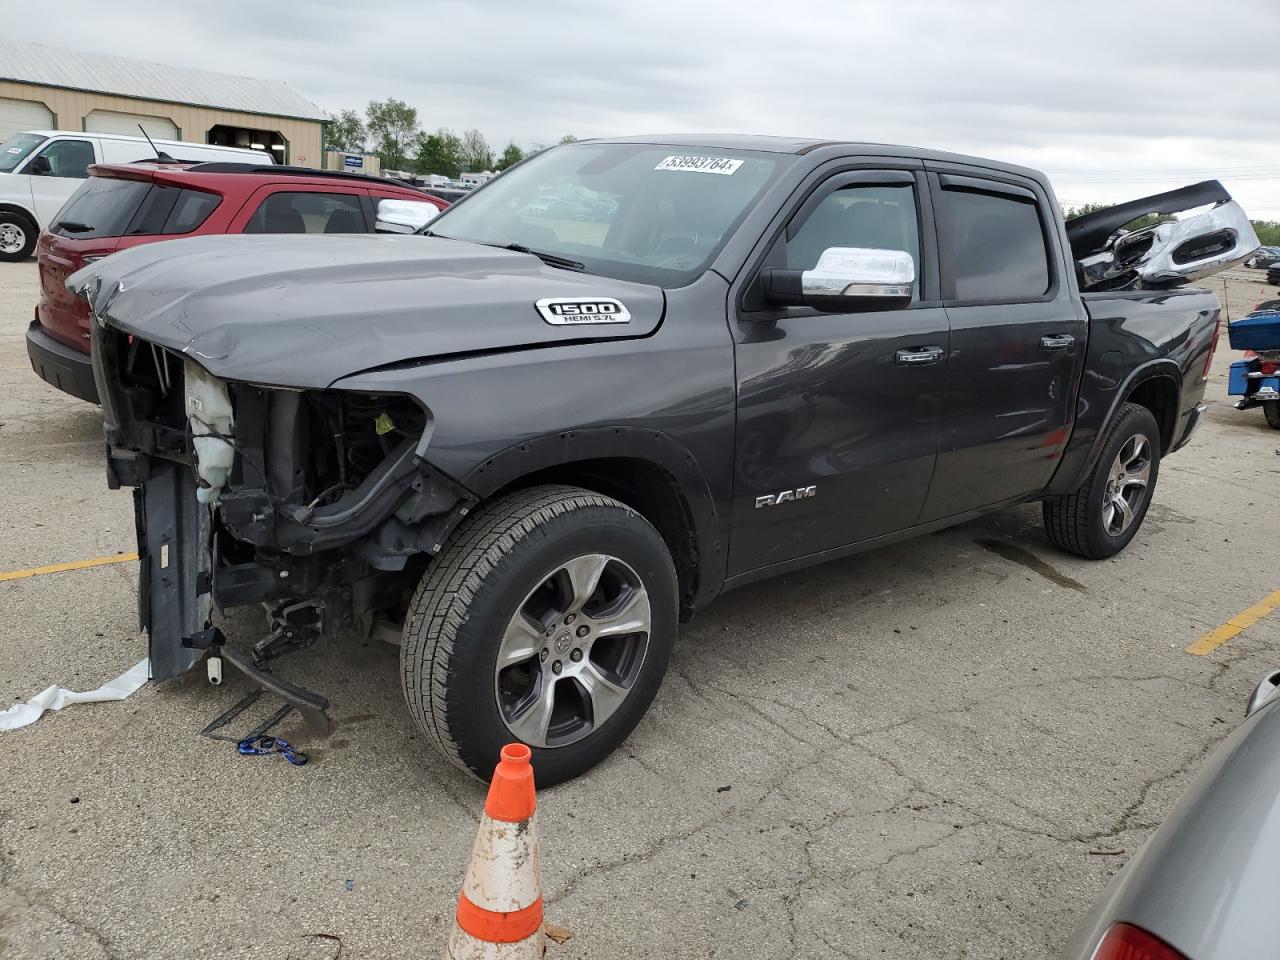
x=599 y=310
x=721 y=165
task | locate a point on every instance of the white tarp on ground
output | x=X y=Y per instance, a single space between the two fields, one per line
x=55 y=698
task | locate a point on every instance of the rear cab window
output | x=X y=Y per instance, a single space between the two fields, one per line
x=995 y=242
x=309 y=212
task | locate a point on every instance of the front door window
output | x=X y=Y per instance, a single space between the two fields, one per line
x=68 y=158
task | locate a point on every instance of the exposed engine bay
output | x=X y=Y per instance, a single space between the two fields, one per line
x=251 y=483
x=1167 y=254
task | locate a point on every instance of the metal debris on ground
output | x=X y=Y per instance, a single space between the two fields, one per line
x=228 y=715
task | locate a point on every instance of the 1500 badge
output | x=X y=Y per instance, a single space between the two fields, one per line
x=566 y=312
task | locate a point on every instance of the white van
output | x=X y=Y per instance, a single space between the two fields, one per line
x=40 y=169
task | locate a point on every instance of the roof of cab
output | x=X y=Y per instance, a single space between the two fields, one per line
x=765 y=144
x=803 y=145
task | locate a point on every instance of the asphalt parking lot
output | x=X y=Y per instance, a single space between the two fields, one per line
x=940 y=749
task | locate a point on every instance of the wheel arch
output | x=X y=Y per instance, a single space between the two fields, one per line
x=28 y=215
x=1161 y=393
x=647 y=470
x=1156 y=385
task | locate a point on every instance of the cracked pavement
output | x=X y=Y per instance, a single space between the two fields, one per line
x=939 y=749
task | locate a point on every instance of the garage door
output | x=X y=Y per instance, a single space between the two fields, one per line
x=108 y=121
x=19 y=115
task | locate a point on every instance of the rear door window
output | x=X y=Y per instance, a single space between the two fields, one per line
x=996 y=246
x=309 y=212
x=69 y=158
x=171 y=210
x=101 y=207
x=191 y=210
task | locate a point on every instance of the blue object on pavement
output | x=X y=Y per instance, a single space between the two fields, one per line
x=259 y=746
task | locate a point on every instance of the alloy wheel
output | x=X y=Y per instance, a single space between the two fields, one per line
x=572 y=651
x=1126 y=485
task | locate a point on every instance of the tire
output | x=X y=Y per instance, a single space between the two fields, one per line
x=1271 y=410
x=17 y=237
x=515 y=558
x=1081 y=522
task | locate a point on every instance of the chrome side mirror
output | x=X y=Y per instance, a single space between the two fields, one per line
x=846 y=280
x=404 y=216
x=1264 y=691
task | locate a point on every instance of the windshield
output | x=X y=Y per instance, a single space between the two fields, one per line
x=654 y=214
x=14 y=150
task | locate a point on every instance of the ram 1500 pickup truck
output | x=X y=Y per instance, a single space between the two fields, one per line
x=613 y=383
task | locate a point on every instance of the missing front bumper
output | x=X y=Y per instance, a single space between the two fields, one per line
x=175 y=549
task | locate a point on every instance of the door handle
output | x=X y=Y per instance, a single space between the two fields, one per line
x=1059 y=341
x=918 y=356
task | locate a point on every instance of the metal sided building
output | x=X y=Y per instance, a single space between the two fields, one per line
x=50 y=88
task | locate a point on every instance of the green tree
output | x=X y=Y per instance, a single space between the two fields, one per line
x=476 y=153
x=1268 y=232
x=510 y=156
x=346 y=132
x=392 y=125
x=439 y=152
x=1141 y=223
x=568 y=138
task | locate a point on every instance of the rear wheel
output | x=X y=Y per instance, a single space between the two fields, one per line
x=17 y=237
x=1099 y=519
x=1271 y=410
x=549 y=619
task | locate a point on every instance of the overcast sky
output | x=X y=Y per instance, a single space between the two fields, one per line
x=1114 y=99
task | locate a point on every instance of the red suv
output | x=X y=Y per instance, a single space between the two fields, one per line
x=123 y=205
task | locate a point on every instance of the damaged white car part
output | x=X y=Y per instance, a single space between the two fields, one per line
x=208 y=407
x=1167 y=254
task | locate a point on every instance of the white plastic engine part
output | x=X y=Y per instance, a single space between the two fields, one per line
x=210 y=415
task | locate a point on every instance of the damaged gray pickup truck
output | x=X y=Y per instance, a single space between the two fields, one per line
x=618 y=380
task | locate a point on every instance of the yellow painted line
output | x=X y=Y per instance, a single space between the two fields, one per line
x=1215 y=638
x=63 y=567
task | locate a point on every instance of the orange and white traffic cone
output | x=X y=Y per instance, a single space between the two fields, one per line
x=500 y=911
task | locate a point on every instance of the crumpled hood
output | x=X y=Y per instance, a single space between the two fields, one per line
x=305 y=311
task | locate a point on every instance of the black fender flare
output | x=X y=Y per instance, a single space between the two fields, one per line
x=1159 y=368
x=567 y=447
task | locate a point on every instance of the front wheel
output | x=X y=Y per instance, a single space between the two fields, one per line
x=17 y=237
x=1099 y=519
x=549 y=619
x=1271 y=410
